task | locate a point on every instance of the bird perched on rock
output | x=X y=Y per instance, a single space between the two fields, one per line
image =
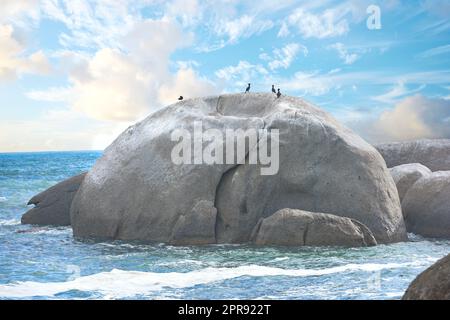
x=278 y=93
x=248 y=88
x=273 y=89
x=180 y=98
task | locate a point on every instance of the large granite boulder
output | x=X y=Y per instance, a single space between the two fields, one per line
x=52 y=206
x=432 y=284
x=406 y=175
x=426 y=206
x=432 y=153
x=136 y=192
x=289 y=227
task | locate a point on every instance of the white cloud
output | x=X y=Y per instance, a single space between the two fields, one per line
x=126 y=83
x=116 y=88
x=188 y=84
x=317 y=83
x=152 y=41
x=415 y=117
x=311 y=83
x=14 y=11
x=282 y=58
x=343 y=53
x=264 y=56
x=92 y=25
x=330 y=23
x=189 y=12
x=397 y=92
x=242 y=73
x=242 y=27
x=14 y=61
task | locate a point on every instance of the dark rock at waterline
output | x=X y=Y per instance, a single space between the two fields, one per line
x=432 y=153
x=426 y=206
x=432 y=284
x=405 y=175
x=289 y=227
x=52 y=206
x=135 y=191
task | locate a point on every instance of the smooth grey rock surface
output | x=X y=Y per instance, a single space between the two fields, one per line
x=426 y=206
x=406 y=175
x=134 y=191
x=432 y=284
x=432 y=153
x=52 y=206
x=289 y=227
x=197 y=227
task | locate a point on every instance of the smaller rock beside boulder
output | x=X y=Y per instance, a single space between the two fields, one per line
x=291 y=227
x=406 y=175
x=52 y=206
x=197 y=227
x=426 y=206
x=432 y=284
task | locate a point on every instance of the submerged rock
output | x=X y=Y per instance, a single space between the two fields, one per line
x=426 y=206
x=432 y=153
x=301 y=228
x=432 y=284
x=406 y=175
x=136 y=192
x=52 y=206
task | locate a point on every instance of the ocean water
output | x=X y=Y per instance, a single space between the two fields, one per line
x=48 y=263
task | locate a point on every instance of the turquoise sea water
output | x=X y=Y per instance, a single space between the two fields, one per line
x=47 y=263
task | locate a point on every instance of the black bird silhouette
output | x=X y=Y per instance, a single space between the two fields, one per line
x=248 y=88
x=273 y=89
x=278 y=93
x=180 y=98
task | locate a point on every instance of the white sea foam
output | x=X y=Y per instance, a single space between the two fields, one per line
x=3 y=199
x=51 y=230
x=280 y=259
x=122 y=284
x=9 y=222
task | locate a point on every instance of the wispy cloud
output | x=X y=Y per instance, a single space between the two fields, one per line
x=13 y=61
x=242 y=27
x=435 y=51
x=283 y=57
x=343 y=53
x=330 y=23
x=399 y=91
x=241 y=73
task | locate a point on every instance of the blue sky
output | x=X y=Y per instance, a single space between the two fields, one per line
x=74 y=74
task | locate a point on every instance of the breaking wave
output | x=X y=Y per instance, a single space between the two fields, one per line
x=118 y=284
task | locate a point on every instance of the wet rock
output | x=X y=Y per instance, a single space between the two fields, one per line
x=52 y=206
x=289 y=227
x=432 y=284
